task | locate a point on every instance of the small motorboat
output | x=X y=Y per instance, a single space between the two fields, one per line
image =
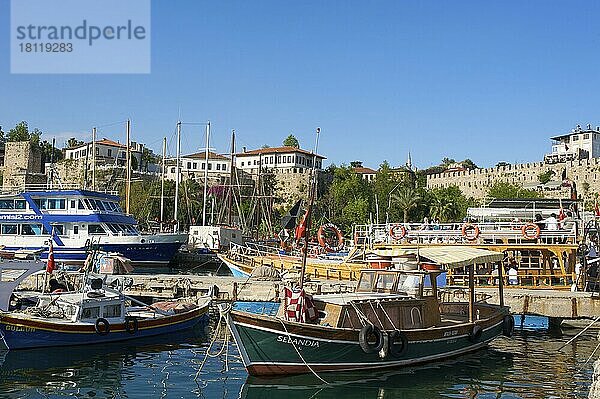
x=96 y=313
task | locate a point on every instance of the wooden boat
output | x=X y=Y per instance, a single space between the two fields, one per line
x=392 y=320
x=95 y=314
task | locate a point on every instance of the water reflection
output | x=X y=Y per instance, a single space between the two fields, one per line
x=526 y=366
x=463 y=377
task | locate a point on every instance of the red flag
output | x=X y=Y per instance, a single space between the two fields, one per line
x=301 y=228
x=596 y=208
x=50 y=266
x=561 y=214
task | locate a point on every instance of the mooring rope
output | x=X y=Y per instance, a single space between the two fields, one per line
x=298 y=352
x=579 y=333
x=222 y=316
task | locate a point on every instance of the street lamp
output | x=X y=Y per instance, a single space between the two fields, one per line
x=387 y=211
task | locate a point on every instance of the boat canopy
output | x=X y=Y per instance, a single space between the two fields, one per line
x=12 y=273
x=448 y=256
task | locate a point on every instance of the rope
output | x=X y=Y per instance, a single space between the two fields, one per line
x=386 y=315
x=214 y=338
x=298 y=352
x=580 y=332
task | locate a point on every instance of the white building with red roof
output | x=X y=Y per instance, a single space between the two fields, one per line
x=194 y=165
x=108 y=152
x=279 y=159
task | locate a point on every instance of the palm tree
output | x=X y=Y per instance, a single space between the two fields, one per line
x=442 y=209
x=406 y=198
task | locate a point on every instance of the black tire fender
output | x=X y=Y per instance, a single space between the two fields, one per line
x=398 y=344
x=508 y=326
x=131 y=324
x=475 y=334
x=365 y=334
x=102 y=326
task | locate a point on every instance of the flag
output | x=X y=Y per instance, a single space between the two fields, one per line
x=50 y=266
x=561 y=214
x=596 y=208
x=301 y=228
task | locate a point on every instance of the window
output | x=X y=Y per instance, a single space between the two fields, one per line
x=172 y=170
x=195 y=165
x=59 y=229
x=73 y=204
x=365 y=284
x=218 y=166
x=242 y=163
x=586 y=136
x=189 y=165
x=224 y=166
x=9 y=229
x=210 y=166
x=109 y=152
x=575 y=138
x=20 y=204
x=56 y=203
x=122 y=155
x=112 y=310
x=91 y=313
x=40 y=203
x=7 y=204
x=385 y=281
x=97 y=151
x=75 y=229
x=271 y=159
x=83 y=152
x=31 y=229
x=95 y=229
x=99 y=205
x=80 y=204
x=203 y=165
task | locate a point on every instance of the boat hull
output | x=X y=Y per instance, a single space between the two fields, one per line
x=270 y=346
x=24 y=333
x=238 y=269
x=142 y=251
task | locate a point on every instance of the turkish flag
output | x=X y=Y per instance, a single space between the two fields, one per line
x=50 y=266
x=301 y=228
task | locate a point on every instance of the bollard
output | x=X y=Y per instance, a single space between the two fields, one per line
x=235 y=286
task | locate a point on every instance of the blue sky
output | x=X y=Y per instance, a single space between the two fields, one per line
x=487 y=80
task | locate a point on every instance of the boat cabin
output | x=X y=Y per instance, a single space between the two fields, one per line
x=395 y=299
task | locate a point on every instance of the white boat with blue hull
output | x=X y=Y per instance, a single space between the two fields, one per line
x=75 y=219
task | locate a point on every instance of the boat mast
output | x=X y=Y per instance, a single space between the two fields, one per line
x=93 y=159
x=231 y=177
x=206 y=174
x=162 y=184
x=128 y=161
x=313 y=194
x=177 y=175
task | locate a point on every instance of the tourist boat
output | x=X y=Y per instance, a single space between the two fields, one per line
x=76 y=219
x=93 y=314
x=392 y=320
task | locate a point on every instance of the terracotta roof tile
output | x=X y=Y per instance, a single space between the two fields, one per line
x=277 y=150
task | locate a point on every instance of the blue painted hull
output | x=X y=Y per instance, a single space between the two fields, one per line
x=26 y=335
x=139 y=254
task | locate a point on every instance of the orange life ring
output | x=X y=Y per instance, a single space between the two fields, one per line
x=470 y=231
x=530 y=231
x=325 y=244
x=395 y=234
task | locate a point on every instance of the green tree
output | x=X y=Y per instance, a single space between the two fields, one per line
x=291 y=141
x=468 y=164
x=73 y=142
x=21 y=133
x=545 y=177
x=406 y=198
x=449 y=204
x=504 y=190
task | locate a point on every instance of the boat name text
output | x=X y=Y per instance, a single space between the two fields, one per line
x=19 y=328
x=298 y=341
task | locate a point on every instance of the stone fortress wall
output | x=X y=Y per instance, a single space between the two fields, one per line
x=475 y=183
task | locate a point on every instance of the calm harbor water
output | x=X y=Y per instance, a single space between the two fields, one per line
x=525 y=366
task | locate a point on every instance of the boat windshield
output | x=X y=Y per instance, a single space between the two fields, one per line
x=390 y=281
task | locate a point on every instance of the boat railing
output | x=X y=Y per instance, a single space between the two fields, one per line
x=17 y=189
x=525 y=279
x=464 y=233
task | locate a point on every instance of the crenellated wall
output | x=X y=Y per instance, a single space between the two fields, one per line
x=475 y=183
